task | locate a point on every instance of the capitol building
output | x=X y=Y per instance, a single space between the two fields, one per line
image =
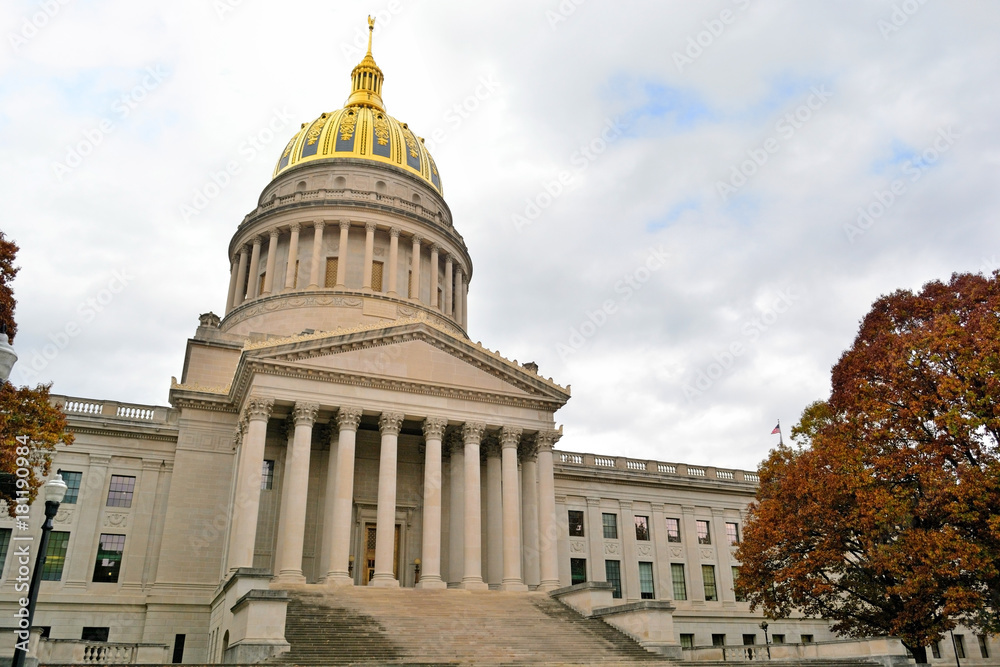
x=343 y=473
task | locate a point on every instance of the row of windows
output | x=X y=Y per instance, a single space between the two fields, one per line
x=106 y=568
x=613 y=575
x=120 y=491
x=959 y=644
x=610 y=525
x=688 y=640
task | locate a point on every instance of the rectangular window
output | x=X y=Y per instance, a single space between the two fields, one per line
x=109 y=558
x=575 y=523
x=749 y=640
x=673 y=530
x=777 y=639
x=613 y=570
x=736 y=575
x=936 y=649
x=178 y=649
x=708 y=576
x=95 y=634
x=4 y=545
x=120 y=491
x=72 y=480
x=267 y=476
x=718 y=640
x=806 y=639
x=642 y=528
x=959 y=645
x=984 y=650
x=377 y=276
x=687 y=641
x=610 y=526
x=733 y=533
x=646 y=589
x=577 y=570
x=677 y=578
x=703 y=535
x=55 y=556
x=331 y=272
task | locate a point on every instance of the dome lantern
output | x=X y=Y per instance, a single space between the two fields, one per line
x=366 y=78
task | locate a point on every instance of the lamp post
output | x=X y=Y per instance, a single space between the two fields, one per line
x=767 y=644
x=55 y=491
x=7 y=354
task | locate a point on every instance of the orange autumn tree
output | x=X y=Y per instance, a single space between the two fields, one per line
x=26 y=416
x=883 y=519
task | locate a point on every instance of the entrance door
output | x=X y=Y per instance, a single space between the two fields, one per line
x=370 y=554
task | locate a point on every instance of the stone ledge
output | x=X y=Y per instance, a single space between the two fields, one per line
x=642 y=605
x=259 y=595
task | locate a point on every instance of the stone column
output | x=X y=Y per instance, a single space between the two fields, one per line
x=272 y=256
x=385 y=516
x=595 y=539
x=233 y=273
x=293 y=257
x=430 y=552
x=254 y=269
x=241 y=277
x=724 y=563
x=529 y=510
x=246 y=504
x=340 y=501
x=393 y=261
x=434 y=276
x=548 y=536
x=630 y=558
x=292 y=516
x=415 y=269
x=79 y=570
x=317 y=253
x=459 y=283
x=465 y=305
x=325 y=519
x=664 y=580
x=510 y=436
x=449 y=282
x=142 y=523
x=689 y=533
x=345 y=230
x=369 y=253
x=472 y=576
x=456 y=512
x=494 y=511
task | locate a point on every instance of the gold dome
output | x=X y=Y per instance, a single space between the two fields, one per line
x=362 y=129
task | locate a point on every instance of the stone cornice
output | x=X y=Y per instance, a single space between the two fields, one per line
x=617 y=476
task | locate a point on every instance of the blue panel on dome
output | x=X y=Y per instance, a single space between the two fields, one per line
x=435 y=178
x=286 y=155
x=381 y=141
x=412 y=152
x=346 y=131
x=311 y=144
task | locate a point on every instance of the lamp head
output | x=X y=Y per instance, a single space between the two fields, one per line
x=55 y=489
x=763 y=626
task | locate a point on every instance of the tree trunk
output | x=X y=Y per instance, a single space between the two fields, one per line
x=919 y=653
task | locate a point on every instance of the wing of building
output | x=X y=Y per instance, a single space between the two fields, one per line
x=337 y=428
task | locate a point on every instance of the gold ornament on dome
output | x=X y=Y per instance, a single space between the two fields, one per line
x=381 y=130
x=411 y=143
x=347 y=124
x=313 y=135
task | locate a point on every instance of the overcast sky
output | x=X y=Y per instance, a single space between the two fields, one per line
x=663 y=200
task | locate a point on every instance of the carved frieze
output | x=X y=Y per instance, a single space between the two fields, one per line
x=612 y=548
x=115 y=520
x=577 y=546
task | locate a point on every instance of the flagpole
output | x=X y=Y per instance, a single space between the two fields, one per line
x=781 y=440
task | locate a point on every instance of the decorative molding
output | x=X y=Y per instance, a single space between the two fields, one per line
x=626 y=505
x=389 y=423
x=434 y=427
x=578 y=546
x=547 y=439
x=707 y=554
x=510 y=436
x=258 y=408
x=64 y=515
x=101 y=460
x=348 y=418
x=116 y=520
x=305 y=413
x=472 y=432
x=612 y=548
x=645 y=550
x=593 y=502
x=370 y=227
x=676 y=552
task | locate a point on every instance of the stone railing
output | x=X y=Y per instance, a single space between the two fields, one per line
x=887 y=651
x=88 y=407
x=323 y=195
x=657 y=467
x=82 y=652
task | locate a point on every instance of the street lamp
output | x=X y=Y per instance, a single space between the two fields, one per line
x=7 y=354
x=767 y=644
x=55 y=491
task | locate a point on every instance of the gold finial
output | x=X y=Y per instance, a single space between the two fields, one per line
x=366 y=78
x=371 y=29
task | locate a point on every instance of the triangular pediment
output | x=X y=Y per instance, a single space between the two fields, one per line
x=413 y=355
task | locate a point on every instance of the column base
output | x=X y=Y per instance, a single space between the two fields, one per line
x=338 y=579
x=383 y=581
x=429 y=583
x=547 y=586
x=475 y=585
x=289 y=578
x=516 y=586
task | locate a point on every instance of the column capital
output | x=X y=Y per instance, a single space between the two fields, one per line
x=435 y=248
x=348 y=418
x=295 y=227
x=453 y=440
x=528 y=450
x=345 y=224
x=394 y=232
x=318 y=225
x=434 y=427
x=472 y=432
x=417 y=240
x=258 y=240
x=626 y=505
x=370 y=227
x=258 y=408
x=305 y=413
x=245 y=248
x=447 y=258
x=274 y=233
x=547 y=439
x=510 y=436
x=491 y=444
x=593 y=502
x=390 y=422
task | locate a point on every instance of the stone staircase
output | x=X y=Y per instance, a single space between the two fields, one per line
x=347 y=626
